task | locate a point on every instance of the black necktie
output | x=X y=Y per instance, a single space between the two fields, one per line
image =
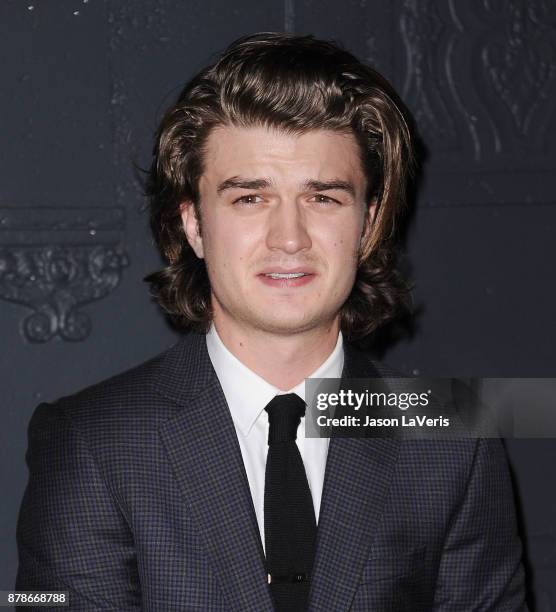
x=289 y=517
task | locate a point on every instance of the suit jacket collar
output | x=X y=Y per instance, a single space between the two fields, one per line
x=184 y=370
x=203 y=449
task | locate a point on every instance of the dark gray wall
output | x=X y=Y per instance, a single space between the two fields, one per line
x=83 y=85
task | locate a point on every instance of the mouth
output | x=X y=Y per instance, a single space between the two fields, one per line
x=287 y=275
x=286 y=279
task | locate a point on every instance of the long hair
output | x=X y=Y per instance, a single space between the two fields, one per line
x=295 y=84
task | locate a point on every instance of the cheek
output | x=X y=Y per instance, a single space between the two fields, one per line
x=345 y=247
x=231 y=249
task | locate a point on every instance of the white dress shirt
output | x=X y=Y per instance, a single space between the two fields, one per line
x=247 y=394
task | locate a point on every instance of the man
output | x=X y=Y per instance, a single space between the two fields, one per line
x=187 y=483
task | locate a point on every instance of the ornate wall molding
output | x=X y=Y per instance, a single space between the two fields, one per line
x=427 y=35
x=519 y=58
x=53 y=261
x=480 y=77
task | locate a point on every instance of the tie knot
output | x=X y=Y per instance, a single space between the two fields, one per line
x=284 y=415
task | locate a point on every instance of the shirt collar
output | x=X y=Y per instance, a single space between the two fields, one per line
x=246 y=392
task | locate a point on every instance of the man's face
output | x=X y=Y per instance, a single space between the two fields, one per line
x=273 y=203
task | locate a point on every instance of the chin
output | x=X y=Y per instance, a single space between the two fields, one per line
x=289 y=325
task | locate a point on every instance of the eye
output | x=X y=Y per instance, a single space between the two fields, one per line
x=322 y=199
x=249 y=200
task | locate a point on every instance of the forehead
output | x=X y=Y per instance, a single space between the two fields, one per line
x=258 y=150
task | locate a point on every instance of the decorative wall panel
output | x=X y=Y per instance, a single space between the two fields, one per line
x=54 y=261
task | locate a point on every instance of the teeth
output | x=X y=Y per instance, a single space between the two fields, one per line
x=290 y=275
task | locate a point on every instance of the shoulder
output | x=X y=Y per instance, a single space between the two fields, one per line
x=450 y=459
x=132 y=399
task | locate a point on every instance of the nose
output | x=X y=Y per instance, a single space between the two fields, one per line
x=287 y=229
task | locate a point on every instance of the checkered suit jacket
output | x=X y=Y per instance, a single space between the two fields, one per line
x=138 y=499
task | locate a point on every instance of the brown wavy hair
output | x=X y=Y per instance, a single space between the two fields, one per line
x=296 y=84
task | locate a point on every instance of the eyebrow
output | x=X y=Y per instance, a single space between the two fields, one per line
x=238 y=182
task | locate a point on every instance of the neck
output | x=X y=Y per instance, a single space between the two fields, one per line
x=282 y=360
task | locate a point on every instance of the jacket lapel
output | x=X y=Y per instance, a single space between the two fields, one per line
x=202 y=447
x=356 y=483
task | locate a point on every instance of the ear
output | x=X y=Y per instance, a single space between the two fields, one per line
x=369 y=219
x=191 y=228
